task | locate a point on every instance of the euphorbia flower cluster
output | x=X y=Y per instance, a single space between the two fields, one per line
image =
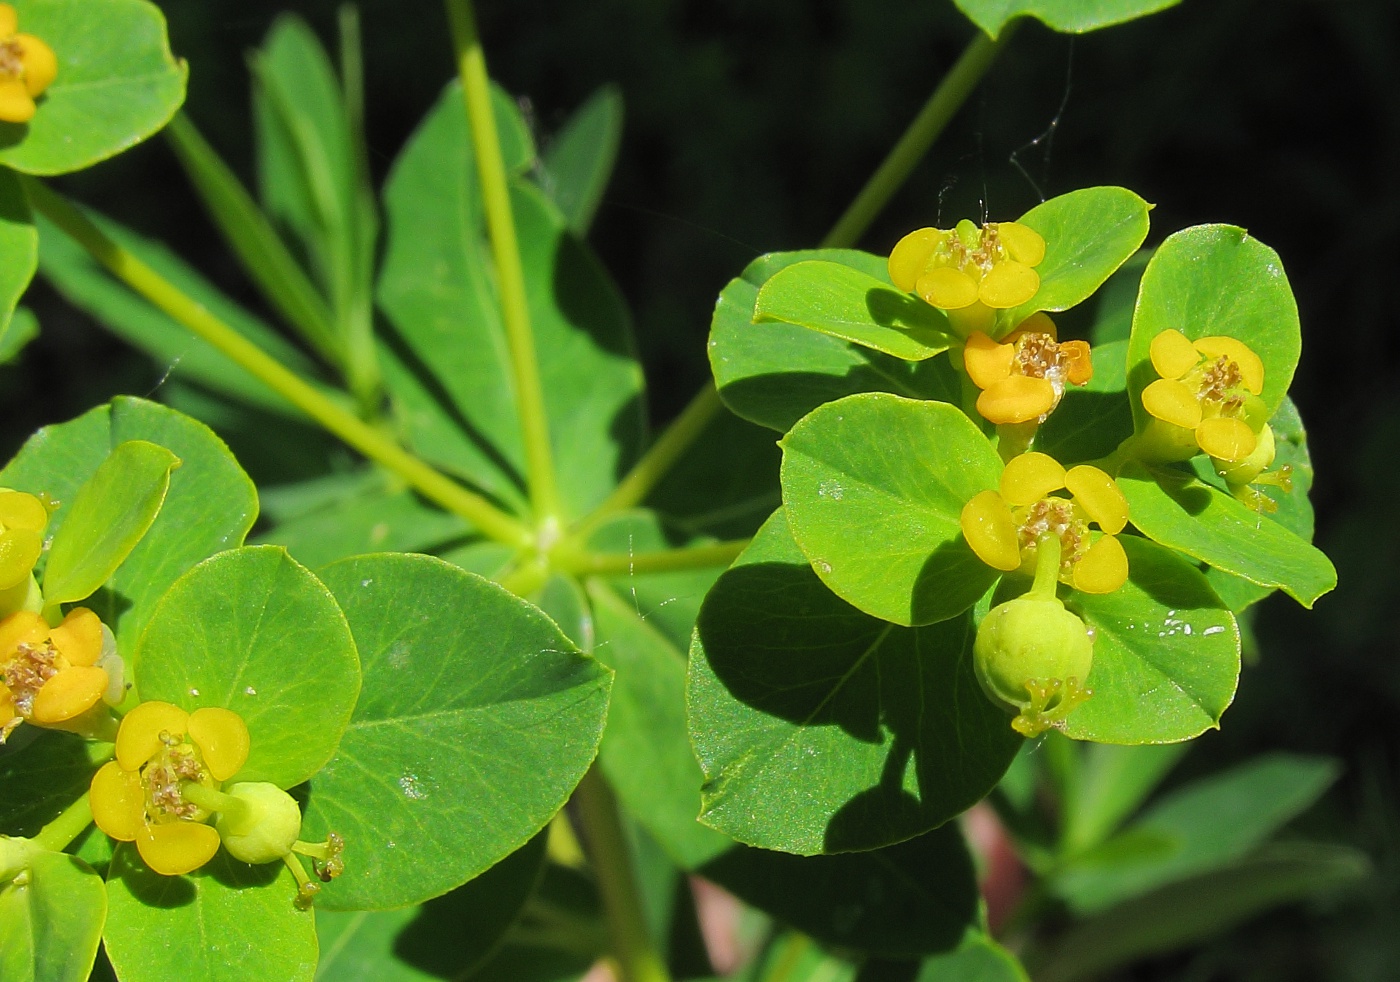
x=27 y=67
x=1023 y=377
x=56 y=676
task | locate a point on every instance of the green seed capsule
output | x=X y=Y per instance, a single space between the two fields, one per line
x=1032 y=657
x=265 y=829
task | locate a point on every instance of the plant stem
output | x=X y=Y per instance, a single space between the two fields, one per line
x=66 y=827
x=659 y=458
x=1047 y=567
x=942 y=105
x=500 y=225
x=637 y=957
x=357 y=434
x=663 y=561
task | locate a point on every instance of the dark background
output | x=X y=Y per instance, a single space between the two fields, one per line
x=751 y=124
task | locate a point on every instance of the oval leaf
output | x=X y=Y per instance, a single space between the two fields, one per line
x=19 y=256
x=477 y=719
x=117 y=84
x=835 y=299
x=821 y=729
x=252 y=631
x=109 y=515
x=1166 y=653
x=874 y=486
x=1069 y=16
x=51 y=924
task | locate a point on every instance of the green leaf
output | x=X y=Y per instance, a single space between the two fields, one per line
x=580 y=159
x=406 y=945
x=117 y=84
x=1088 y=235
x=1216 y=280
x=836 y=299
x=773 y=373
x=50 y=925
x=646 y=753
x=107 y=518
x=448 y=369
x=1117 y=298
x=1068 y=16
x=252 y=631
x=1166 y=653
x=1190 y=516
x=42 y=772
x=19 y=257
x=210 y=506
x=1197 y=909
x=225 y=922
x=1206 y=824
x=477 y=719
x=874 y=486
x=1091 y=420
x=977 y=959
x=1111 y=782
x=905 y=900
x=15 y=334
x=821 y=729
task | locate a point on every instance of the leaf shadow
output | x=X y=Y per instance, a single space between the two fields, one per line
x=903 y=311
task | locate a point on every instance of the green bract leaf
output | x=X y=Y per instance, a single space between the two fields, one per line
x=977 y=959
x=836 y=299
x=1088 y=234
x=42 y=772
x=1215 y=280
x=905 y=900
x=117 y=83
x=51 y=922
x=252 y=631
x=407 y=945
x=21 y=328
x=1166 y=653
x=476 y=721
x=19 y=251
x=225 y=922
x=822 y=729
x=874 y=486
x=1069 y=16
x=110 y=513
x=774 y=373
x=1205 y=523
x=580 y=159
x=448 y=368
x=210 y=506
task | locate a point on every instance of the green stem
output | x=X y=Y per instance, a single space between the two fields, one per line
x=500 y=225
x=215 y=801
x=663 y=561
x=1047 y=567
x=56 y=836
x=357 y=434
x=946 y=100
x=659 y=458
x=637 y=957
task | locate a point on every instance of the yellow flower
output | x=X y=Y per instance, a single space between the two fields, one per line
x=1006 y=526
x=23 y=519
x=1023 y=377
x=1207 y=398
x=163 y=756
x=51 y=676
x=27 y=67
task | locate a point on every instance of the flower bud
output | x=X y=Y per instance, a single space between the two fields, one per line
x=1032 y=657
x=265 y=829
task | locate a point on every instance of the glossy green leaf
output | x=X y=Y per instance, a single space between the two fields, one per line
x=1091 y=420
x=210 y=506
x=1088 y=235
x=1166 y=653
x=1069 y=16
x=836 y=299
x=821 y=729
x=977 y=959
x=580 y=158
x=1197 y=909
x=773 y=373
x=447 y=366
x=117 y=84
x=42 y=772
x=477 y=719
x=406 y=945
x=51 y=919
x=225 y=922
x=21 y=328
x=108 y=516
x=1207 y=524
x=252 y=631
x=1203 y=825
x=1216 y=280
x=646 y=753
x=874 y=486
x=909 y=899
x=19 y=255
